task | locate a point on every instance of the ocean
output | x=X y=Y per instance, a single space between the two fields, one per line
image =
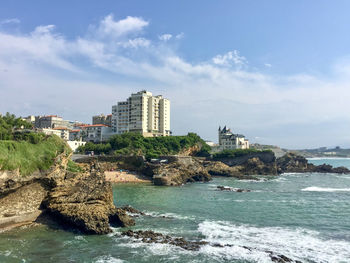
x=303 y=216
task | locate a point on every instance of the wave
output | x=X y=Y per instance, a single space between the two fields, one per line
x=252 y=243
x=327 y=158
x=325 y=189
x=168 y=215
x=108 y=259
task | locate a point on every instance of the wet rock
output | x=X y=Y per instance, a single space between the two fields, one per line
x=226 y=188
x=178 y=172
x=293 y=163
x=85 y=202
x=132 y=210
x=154 y=237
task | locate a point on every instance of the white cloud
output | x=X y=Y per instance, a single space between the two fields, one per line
x=136 y=42
x=231 y=57
x=108 y=27
x=165 y=37
x=180 y=36
x=10 y=21
x=268 y=65
x=43 y=72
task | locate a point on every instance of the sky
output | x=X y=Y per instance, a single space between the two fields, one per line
x=275 y=71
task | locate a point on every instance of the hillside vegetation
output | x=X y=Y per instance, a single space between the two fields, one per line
x=25 y=150
x=237 y=153
x=151 y=147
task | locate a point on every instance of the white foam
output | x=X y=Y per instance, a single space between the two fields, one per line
x=298 y=244
x=108 y=259
x=327 y=158
x=168 y=215
x=325 y=189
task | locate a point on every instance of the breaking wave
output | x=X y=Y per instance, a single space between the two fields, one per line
x=253 y=243
x=325 y=189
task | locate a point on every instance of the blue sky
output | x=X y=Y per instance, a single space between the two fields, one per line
x=277 y=71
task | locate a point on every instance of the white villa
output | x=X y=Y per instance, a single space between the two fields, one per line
x=228 y=140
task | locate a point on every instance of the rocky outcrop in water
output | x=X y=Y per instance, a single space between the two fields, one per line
x=149 y=236
x=85 y=201
x=293 y=163
x=153 y=237
x=81 y=200
x=178 y=172
x=231 y=189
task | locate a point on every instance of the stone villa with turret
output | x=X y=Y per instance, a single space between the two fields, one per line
x=228 y=140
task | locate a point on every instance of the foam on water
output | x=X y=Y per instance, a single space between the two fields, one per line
x=328 y=158
x=325 y=189
x=168 y=215
x=297 y=243
x=108 y=259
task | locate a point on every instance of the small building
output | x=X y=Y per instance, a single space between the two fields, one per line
x=229 y=140
x=96 y=133
x=64 y=132
x=49 y=131
x=75 y=144
x=75 y=135
x=50 y=121
x=30 y=119
x=102 y=119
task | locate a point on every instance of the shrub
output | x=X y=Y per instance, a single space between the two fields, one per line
x=151 y=147
x=237 y=153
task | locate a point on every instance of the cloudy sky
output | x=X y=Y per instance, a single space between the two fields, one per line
x=276 y=71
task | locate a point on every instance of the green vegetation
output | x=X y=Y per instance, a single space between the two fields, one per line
x=237 y=153
x=73 y=167
x=29 y=157
x=25 y=150
x=8 y=124
x=151 y=147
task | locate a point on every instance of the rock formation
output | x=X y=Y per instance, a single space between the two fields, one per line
x=149 y=236
x=293 y=163
x=81 y=201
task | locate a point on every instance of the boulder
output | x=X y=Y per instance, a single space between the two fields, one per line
x=86 y=202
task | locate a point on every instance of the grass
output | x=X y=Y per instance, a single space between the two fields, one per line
x=29 y=157
x=73 y=167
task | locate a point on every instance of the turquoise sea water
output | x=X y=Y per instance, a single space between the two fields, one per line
x=303 y=216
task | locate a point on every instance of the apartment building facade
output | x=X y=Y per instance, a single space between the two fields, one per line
x=102 y=119
x=142 y=113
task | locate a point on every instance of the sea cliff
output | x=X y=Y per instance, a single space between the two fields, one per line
x=80 y=200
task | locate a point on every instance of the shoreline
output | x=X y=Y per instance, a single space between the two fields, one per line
x=121 y=177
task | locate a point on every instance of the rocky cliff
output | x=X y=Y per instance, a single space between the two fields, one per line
x=293 y=163
x=178 y=170
x=80 y=200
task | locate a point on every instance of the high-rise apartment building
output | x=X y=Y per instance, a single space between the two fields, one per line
x=143 y=113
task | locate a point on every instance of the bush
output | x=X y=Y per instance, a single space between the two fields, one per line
x=237 y=153
x=151 y=147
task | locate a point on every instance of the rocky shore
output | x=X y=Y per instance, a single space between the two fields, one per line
x=76 y=200
x=178 y=170
x=84 y=200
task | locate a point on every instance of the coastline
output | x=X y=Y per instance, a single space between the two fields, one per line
x=122 y=176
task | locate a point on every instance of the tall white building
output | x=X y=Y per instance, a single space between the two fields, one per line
x=143 y=113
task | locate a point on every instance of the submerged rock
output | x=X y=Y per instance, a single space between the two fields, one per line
x=227 y=188
x=149 y=236
x=131 y=210
x=154 y=237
